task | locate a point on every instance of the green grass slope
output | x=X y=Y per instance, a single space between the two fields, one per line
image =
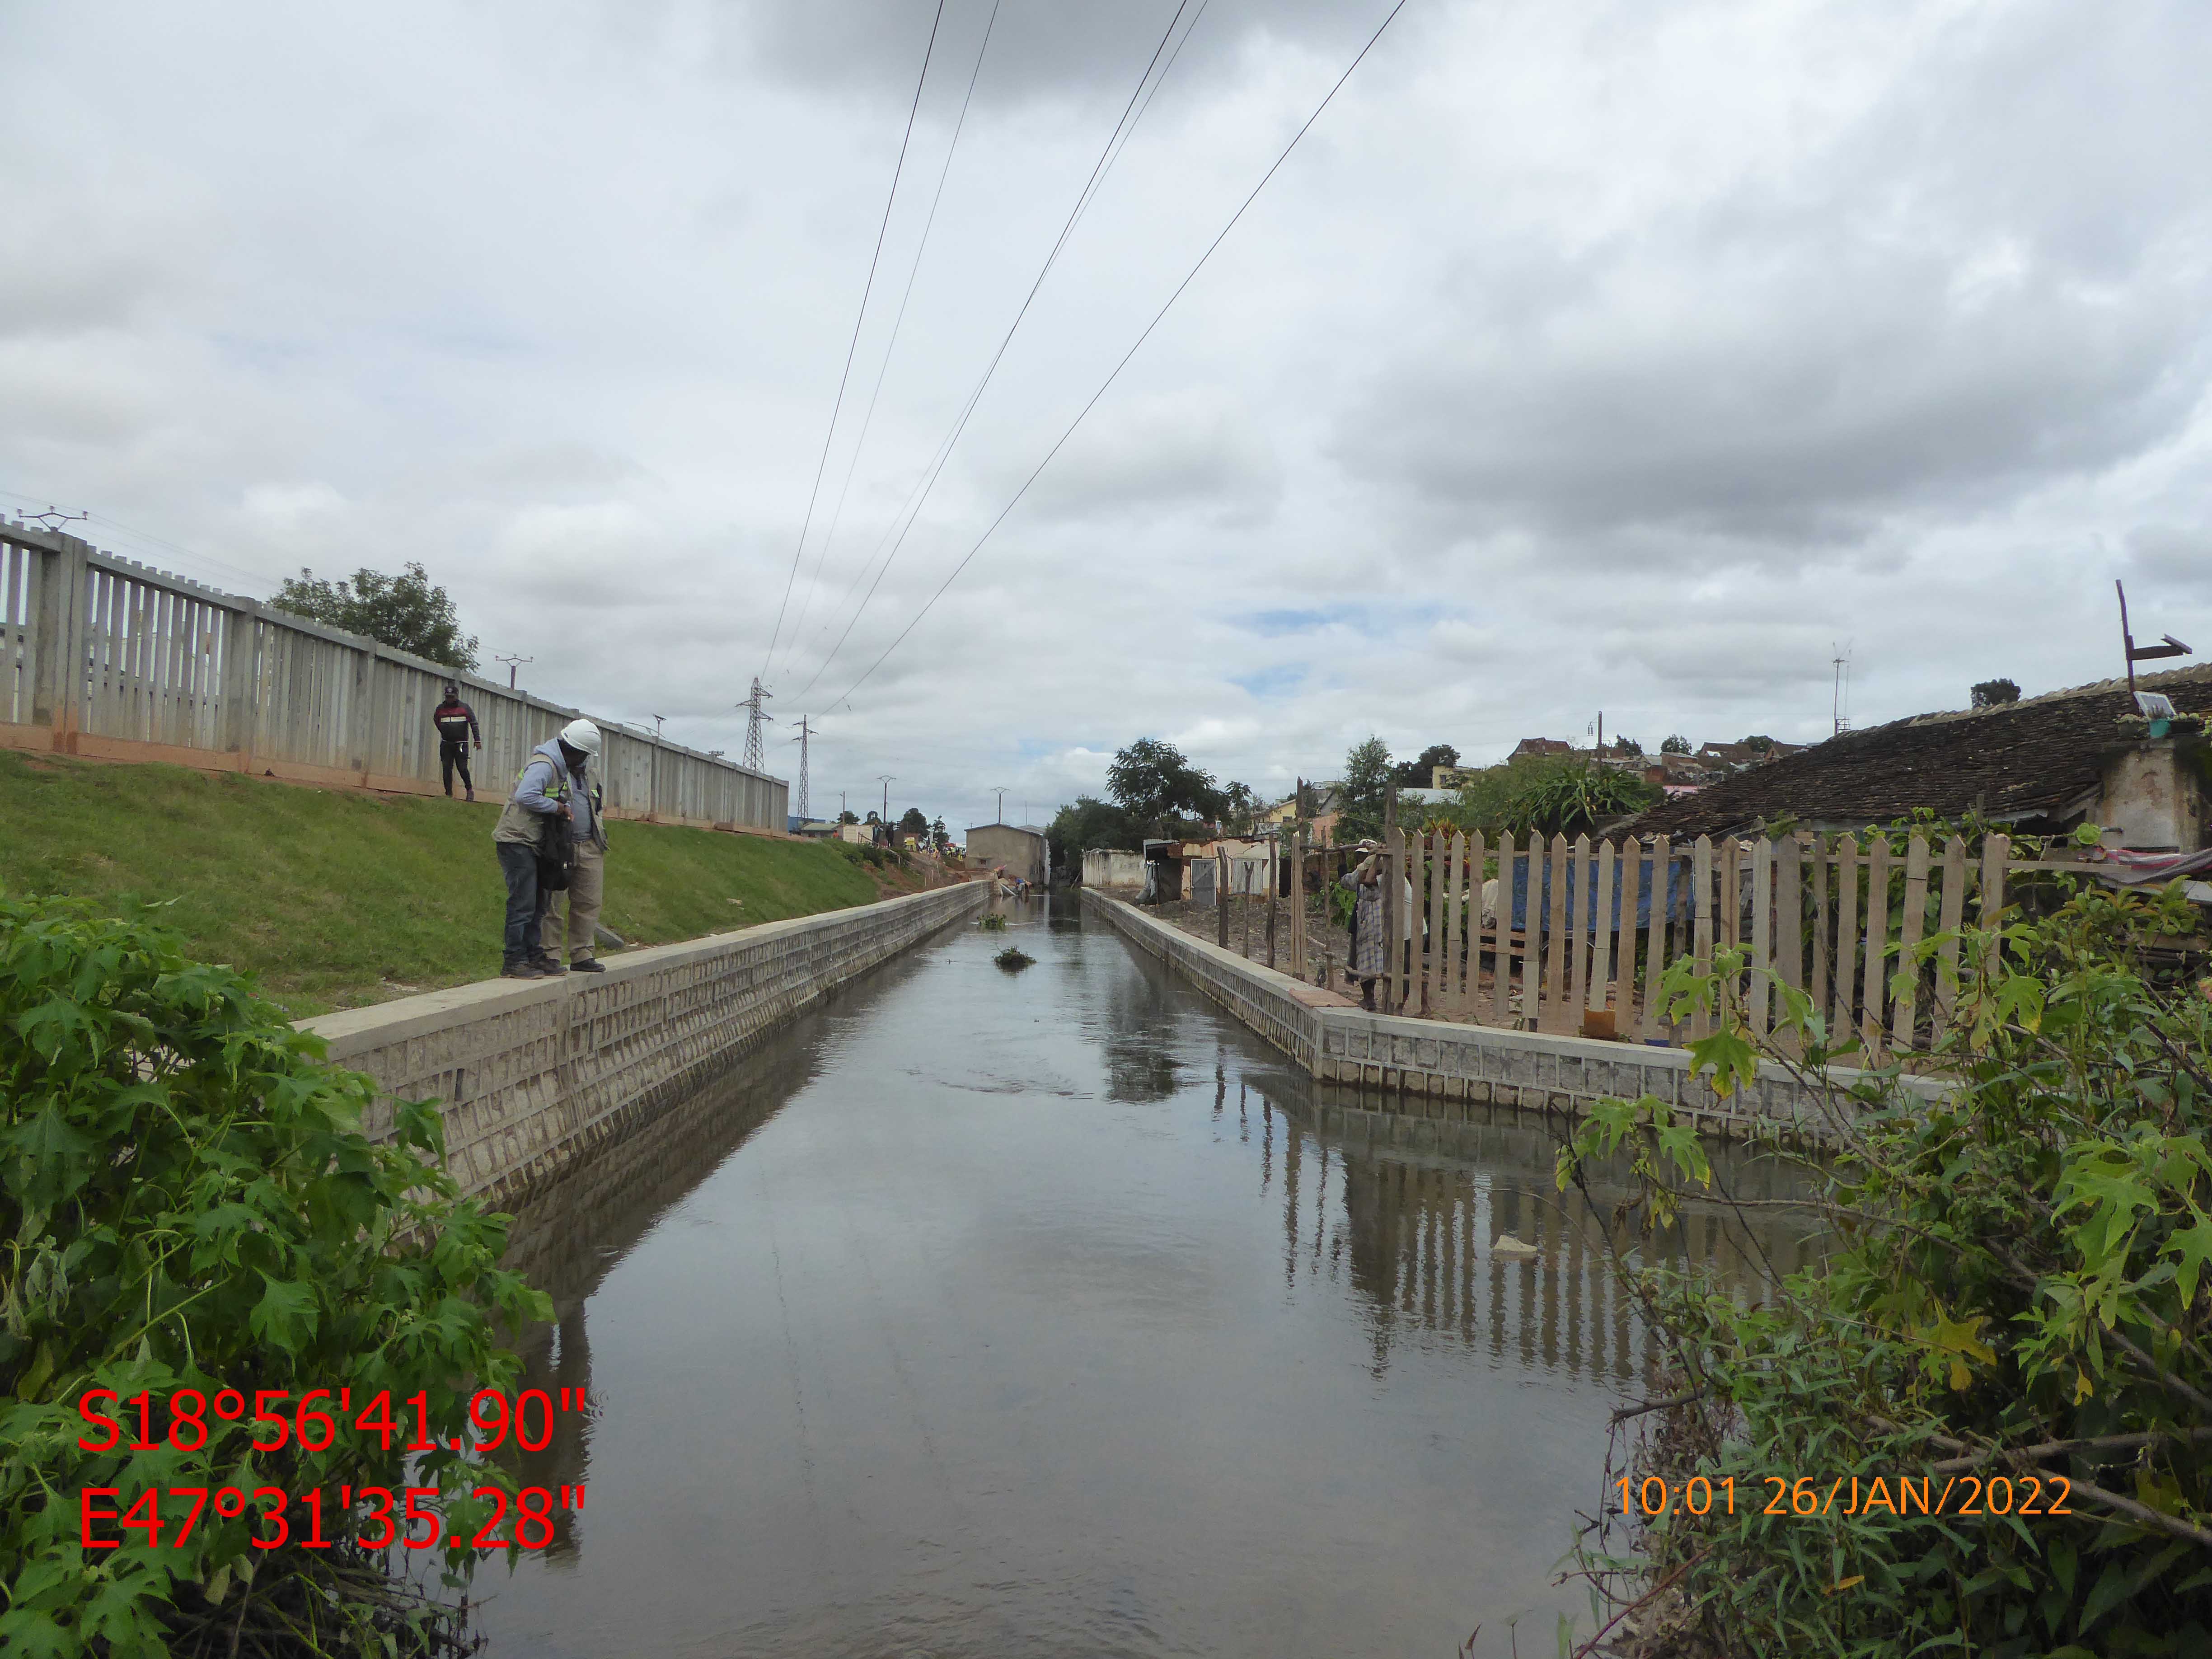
x=337 y=899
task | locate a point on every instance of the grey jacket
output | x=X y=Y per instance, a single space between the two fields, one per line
x=543 y=788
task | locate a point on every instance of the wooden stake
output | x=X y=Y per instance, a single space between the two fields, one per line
x=1914 y=923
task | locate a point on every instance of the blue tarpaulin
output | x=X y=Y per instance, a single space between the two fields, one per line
x=1675 y=906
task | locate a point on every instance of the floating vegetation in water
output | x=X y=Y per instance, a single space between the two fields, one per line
x=993 y=924
x=1014 y=959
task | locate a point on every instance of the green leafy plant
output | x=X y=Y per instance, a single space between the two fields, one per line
x=188 y=1201
x=993 y=924
x=1014 y=958
x=1572 y=800
x=2016 y=1296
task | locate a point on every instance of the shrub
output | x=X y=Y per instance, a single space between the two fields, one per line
x=2018 y=1292
x=1574 y=799
x=189 y=1202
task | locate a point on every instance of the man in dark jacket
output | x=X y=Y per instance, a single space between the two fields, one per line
x=457 y=723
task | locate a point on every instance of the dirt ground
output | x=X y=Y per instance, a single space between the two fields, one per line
x=1326 y=944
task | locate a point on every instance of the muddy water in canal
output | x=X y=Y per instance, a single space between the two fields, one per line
x=991 y=1313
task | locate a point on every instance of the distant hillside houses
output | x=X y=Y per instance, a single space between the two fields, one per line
x=2043 y=766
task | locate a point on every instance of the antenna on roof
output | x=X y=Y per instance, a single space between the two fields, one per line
x=1842 y=706
x=2172 y=647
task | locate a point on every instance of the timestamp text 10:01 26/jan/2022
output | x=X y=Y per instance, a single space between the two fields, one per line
x=1899 y=1495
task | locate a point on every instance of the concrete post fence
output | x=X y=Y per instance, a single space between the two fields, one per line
x=105 y=658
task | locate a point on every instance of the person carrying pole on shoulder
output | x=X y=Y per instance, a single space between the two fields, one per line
x=587 y=877
x=457 y=723
x=541 y=803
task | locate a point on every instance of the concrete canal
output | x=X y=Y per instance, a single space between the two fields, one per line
x=992 y=1315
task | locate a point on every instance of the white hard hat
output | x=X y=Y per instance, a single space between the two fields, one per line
x=581 y=735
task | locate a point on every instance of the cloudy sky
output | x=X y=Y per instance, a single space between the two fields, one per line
x=1585 y=355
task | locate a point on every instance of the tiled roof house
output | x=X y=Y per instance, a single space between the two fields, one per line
x=2042 y=765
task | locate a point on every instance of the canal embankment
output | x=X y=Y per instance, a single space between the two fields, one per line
x=532 y=1073
x=339 y=898
x=1430 y=1067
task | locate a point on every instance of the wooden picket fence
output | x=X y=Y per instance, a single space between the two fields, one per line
x=1582 y=934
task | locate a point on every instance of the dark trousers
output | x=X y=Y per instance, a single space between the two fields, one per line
x=526 y=902
x=451 y=755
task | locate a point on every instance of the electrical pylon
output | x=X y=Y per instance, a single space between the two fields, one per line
x=755 y=717
x=805 y=732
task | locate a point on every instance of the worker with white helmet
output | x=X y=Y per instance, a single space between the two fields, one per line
x=577 y=908
x=545 y=817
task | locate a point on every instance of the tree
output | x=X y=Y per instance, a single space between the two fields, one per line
x=1151 y=780
x=1089 y=823
x=1240 y=805
x=1675 y=744
x=1626 y=746
x=1988 y=693
x=849 y=817
x=1759 y=744
x=939 y=836
x=1366 y=777
x=912 y=823
x=1418 y=773
x=405 y=611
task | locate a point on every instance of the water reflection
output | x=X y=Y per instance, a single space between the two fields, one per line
x=990 y=1314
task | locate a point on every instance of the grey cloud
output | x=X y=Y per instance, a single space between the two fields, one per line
x=1961 y=295
x=1039 y=49
x=1594 y=353
x=2178 y=554
x=1143 y=454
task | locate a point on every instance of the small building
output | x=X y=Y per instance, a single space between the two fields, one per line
x=1108 y=868
x=1326 y=803
x=1021 y=848
x=2041 y=766
x=1540 y=749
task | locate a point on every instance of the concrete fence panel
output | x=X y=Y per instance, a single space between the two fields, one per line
x=104 y=657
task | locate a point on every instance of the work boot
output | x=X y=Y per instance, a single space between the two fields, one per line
x=587 y=965
x=549 y=967
x=522 y=971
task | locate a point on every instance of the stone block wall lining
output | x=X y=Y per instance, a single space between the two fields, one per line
x=532 y=1073
x=1446 y=1067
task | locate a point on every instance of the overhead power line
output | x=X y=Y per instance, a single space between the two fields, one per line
x=837 y=517
x=807 y=523
x=912 y=510
x=1103 y=386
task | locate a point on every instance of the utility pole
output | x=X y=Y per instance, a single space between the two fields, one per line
x=805 y=810
x=887 y=779
x=755 y=715
x=1001 y=790
x=512 y=664
x=654 y=783
x=1839 y=662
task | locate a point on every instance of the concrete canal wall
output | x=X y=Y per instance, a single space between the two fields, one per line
x=534 y=1073
x=1439 y=1068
